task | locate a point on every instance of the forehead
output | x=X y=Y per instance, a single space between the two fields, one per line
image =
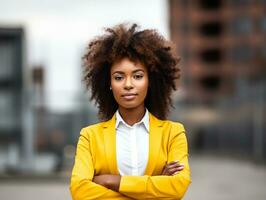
x=126 y=64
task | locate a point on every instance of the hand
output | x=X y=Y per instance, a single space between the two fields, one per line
x=108 y=180
x=172 y=168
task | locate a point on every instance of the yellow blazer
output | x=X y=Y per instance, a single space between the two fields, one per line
x=96 y=154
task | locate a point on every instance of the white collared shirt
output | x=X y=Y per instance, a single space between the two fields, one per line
x=132 y=145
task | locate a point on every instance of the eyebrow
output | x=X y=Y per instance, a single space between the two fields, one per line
x=120 y=72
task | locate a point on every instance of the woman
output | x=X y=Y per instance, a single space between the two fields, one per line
x=134 y=153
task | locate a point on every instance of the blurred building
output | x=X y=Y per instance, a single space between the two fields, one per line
x=11 y=90
x=30 y=133
x=222 y=45
x=43 y=101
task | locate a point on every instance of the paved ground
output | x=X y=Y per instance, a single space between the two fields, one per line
x=213 y=179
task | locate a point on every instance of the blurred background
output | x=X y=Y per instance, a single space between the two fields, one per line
x=221 y=98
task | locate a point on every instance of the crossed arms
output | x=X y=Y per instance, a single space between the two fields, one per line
x=171 y=184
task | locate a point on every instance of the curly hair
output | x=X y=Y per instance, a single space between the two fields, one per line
x=146 y=46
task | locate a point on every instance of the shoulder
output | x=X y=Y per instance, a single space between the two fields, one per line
x=166 y=123
x=174 y=131
x=91 y=129
x=173 y=125
x=177 y=126
x=97 y=129
x=173 y=128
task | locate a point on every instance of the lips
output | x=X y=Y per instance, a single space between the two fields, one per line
x=129 y=96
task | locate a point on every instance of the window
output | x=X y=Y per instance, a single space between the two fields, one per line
x=211 y=82
x=263 y=24
x=242 y=53
x=212 y=55
x=210 y=4
x=241 y=25
x=211 y=29
x=239 y=2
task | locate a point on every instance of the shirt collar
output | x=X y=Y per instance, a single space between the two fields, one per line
x=144 y=120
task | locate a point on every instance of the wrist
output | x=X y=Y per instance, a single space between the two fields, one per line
x=113 y=182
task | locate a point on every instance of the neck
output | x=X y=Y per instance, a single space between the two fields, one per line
x=132 y=116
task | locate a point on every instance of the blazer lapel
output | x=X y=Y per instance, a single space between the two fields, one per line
x=154 y=143
x=155 y=137
x=110 y=144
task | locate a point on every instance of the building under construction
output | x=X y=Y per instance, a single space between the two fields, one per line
x=222 y=45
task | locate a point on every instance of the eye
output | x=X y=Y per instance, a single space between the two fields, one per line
x=118 y=78
x=138 y=76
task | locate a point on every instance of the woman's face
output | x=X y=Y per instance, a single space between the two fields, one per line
x=129 y=82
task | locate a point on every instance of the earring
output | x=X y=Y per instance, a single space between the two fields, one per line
x=110 y=88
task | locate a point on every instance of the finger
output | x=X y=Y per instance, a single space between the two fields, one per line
x=174 y=166
x=165 y=172
x=175 y=173
x=178 y=170
x=169 y=169
x=179 y=165
x=173 y=170
x=173 y=163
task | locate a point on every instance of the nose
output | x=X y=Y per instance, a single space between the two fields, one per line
x=128 y=84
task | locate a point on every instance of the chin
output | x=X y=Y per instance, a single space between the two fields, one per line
x=130 y=107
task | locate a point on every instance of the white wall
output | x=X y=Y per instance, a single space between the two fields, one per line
x=57 y=32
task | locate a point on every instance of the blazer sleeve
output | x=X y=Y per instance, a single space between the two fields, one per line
x=165 y=187
x=81 y=186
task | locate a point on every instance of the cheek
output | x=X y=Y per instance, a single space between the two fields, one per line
x=144 y=85
x=115 y=89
